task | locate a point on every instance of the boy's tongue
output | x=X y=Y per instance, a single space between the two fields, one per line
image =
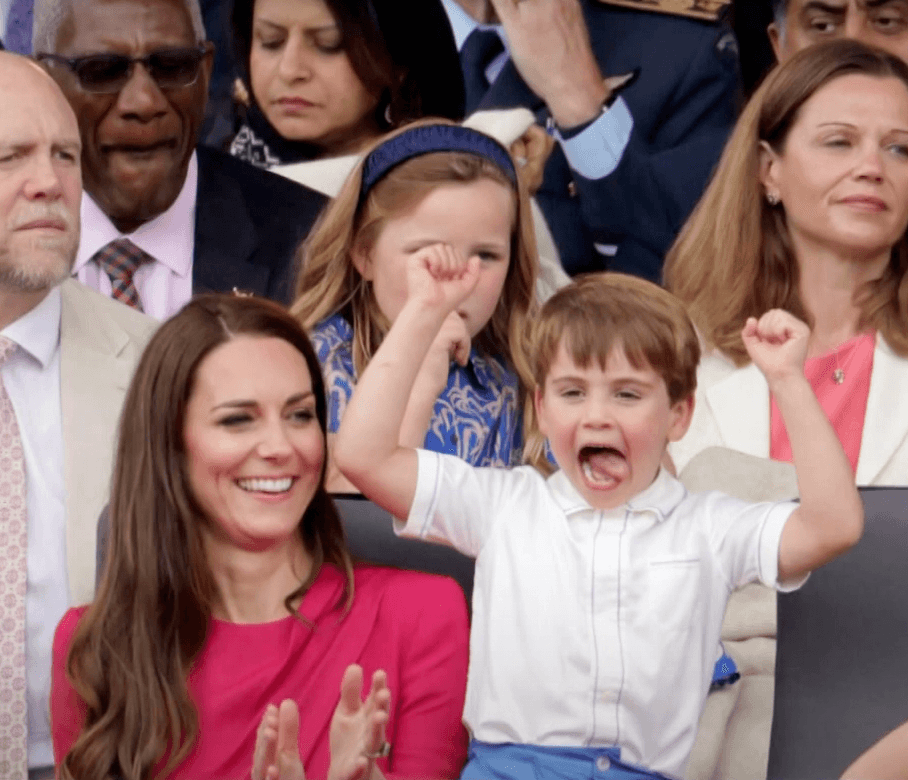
x=603 y=464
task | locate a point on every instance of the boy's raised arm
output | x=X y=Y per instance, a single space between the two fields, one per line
x=367 y=449
x=830 y=518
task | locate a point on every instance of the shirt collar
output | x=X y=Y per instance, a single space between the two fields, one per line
x=660 y=498
x=38 y=331
x=462 y=24
x=169 y=238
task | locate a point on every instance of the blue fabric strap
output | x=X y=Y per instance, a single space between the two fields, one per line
x=425 y=139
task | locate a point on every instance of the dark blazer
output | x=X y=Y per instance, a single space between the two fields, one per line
x=248 y=225
x=684 y=104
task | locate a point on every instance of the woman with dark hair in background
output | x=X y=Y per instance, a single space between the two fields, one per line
x=326 y=77
x=228 y=588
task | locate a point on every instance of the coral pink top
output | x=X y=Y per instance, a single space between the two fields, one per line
x=412 y=625
x=845 y=404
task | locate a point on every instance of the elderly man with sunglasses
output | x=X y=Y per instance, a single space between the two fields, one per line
x=163 y=218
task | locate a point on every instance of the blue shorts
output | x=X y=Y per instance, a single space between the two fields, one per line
x=509 y=761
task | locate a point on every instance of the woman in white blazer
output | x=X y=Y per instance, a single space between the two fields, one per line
x=807 y=212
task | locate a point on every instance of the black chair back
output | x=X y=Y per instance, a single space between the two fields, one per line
x=842 y=654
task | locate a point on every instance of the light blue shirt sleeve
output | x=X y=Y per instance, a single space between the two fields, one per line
x=597 y=151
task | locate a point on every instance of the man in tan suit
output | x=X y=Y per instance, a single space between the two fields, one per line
x=69 y=355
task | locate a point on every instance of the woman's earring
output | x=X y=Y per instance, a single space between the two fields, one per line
x=387 y=115
x=772 y=198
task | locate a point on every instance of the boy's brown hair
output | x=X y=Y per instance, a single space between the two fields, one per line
x=599 y=312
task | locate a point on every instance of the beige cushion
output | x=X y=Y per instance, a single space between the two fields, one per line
x=733 y=738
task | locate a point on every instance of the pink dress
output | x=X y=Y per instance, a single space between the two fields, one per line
x=412 y=625
x=845 y=403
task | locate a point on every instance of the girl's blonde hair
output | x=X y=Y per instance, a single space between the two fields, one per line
x=733 y=258
x=329 y=282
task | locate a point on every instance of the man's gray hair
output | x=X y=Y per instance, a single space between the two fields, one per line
x=50 y=15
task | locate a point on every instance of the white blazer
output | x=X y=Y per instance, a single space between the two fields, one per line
x=732 y=410
x=101 y=341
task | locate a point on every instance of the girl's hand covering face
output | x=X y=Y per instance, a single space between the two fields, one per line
x=439 y=276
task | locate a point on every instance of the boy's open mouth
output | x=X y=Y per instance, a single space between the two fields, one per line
x=602 y=467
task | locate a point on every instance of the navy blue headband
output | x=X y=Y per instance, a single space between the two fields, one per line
x=432 y=138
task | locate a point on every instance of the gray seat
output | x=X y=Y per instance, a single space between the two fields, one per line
x=842 y=656
x=371 y=539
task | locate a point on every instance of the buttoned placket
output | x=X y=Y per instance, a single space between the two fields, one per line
x=605 y=623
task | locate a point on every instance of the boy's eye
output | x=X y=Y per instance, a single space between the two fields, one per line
x=571 y=392
x=628 y=395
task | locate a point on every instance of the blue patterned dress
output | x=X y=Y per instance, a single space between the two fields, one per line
x=476 y=416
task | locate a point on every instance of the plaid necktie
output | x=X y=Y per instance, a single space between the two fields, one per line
x=120 y=260
x=13 y=568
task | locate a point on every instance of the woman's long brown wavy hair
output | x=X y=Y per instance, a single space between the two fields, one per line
x=734 y=257
x=330 y=284
x=135 y=645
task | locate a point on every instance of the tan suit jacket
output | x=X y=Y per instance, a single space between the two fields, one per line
x=101 y=341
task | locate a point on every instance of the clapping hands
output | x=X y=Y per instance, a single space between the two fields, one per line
x=357 y=735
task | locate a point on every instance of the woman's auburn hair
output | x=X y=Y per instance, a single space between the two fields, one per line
x=734 y=258
x=329 y=282
x=133 y=648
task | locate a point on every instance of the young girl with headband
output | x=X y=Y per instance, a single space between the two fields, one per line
x=425 y=189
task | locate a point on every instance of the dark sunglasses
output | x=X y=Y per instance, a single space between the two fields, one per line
x=109 y=73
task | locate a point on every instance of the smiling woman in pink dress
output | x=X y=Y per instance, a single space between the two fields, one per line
x=228 y=587
x=807 y=212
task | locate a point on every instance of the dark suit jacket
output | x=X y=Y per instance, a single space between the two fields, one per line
x=684 y=104
x=248 y=225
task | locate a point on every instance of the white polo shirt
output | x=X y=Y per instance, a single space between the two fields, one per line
x=593 y=628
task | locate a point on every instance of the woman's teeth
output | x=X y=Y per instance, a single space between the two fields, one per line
x=266 y=485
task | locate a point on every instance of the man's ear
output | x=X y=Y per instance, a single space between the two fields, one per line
x=362 y=262
x=682 y=414
x=775 y=39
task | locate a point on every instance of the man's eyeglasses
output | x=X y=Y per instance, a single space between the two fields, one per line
x=109 y=73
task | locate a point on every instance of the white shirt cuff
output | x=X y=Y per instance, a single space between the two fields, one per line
x=596 y=152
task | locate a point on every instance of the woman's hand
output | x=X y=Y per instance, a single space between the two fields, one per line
x=357 y=734
x=277 y=754
x=440 y=277
x=531 y=152
x=777 y=344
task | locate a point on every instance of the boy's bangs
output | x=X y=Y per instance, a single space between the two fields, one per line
x=604 y=312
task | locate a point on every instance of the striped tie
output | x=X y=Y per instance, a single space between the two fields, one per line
x=13 y=581
x=120 y=260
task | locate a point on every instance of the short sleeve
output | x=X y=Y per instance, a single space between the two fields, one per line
x=67 y=710
x=332 y=339
x=746 y=539
x=455 y=502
